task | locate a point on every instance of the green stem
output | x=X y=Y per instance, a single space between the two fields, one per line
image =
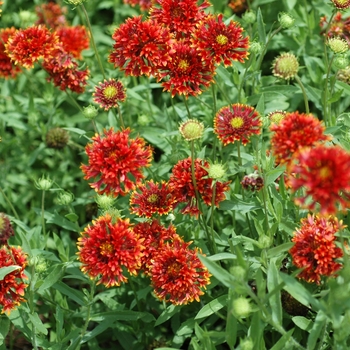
x=186 y=105
x=93 y=41
x=31 y=304
x=212 y=217
x=43 y=213
x=121 y=118
x=326 y=108
x=306 y=101
x=10 y=204
x=135 y=294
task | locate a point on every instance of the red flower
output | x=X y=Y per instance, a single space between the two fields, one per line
x=154 y=235
x=140 y=47
x=145 y=5
x=224 y=42
x=339 y=27
x=7 y=68
x=6 y=230
x=73 y=39
x=106 y=247
x=187 y=71
x=177 y=274
x=237 y=122
x=12 y=286
x=183 y=189
x=63 y=71
x=295 y=130
x=52 y=15
x=117 y=161
x=324 y=173
x=109 y=93
x=154 y=198
x=27 y=46
x=180 y=16
x=238 y=6
x=315 y=248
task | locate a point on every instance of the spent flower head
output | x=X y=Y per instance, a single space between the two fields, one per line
x=6 y=230
x=338 y=45
x=285 y=66
x=191 y=129
x=57 y=138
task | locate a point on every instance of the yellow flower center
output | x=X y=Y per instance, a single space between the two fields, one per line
x=221 y=39
x=109 y=91
x=236 y=122
x=106 y=248
x=153 y=198
x=174 y=269
x=325 y=172
x=183 y=65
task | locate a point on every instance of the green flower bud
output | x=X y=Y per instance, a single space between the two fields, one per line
x=286 y=20
x=340 y=62
x=246 y=344
x=255 y=47
x=241 y=307
x=216 y=171
x=191 y=129
x=65 y=198
x=90 y=112
x=238 y=272
x=143 y=120
x=44 y=184
x=285 y=66
x=104 y=201
x=249 y=17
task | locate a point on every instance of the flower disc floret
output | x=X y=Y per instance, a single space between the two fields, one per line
x=315 y=247
x=324 y=173
x=237 y=122
x=225 y=43
x=106 y=248
x=177 y=274
x=116 y=160
x=27 y=46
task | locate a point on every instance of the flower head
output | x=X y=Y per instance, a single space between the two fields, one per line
x=315 y=249
x=225 y=43
x=324 y=173
x=188 y=70
x=177 y=274
x=145 y=5
x=12 y=286
x=64 y=73
x=184 y=190
x=237 y=122
x=253 y=182
x=338 y=45
x=52 y=15
x=109 y=93
x=238 y=6
x=140 y=47
x=286 y=20
x=191 y=129
x=295 y=130
x=7 y=67
x=180 y=16
x=73 y=39
x=57 y=138
x=152 y=198
x=106 y=247
x=90 y=112
x=276 y=116
x=6 y=230
x=27 y=46
x=117 y=161
x=285 y=66
x=341 y=4
x=154 y=236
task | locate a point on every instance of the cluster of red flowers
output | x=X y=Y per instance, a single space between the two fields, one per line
x=12 y=286
x=110 y=247
x=179 y=45
x=117 y=160
x=52 y=42
x=315 y=248
x=185 y=189
x=339 y=27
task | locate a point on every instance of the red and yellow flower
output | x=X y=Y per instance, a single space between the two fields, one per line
x=315 y=248
x=116 y=160
x=7 y=67
x=106 y=248
x=51 y=15
x=109 y=93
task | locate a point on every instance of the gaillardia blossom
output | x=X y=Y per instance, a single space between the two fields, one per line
x=64 y=72
x=180 y=16
x=177 y=274
x=181 y=184
x=152 y=198
x=12 y=286
x=237 y=122
x=117 y=161
x=324 y=173
x=108 y=246
x=140 y=47
x=153 y=236
x=294 y=131
x=73 y=39
x=188 y=70
x=109 y=93
x=224 y=42
x=315 y=249
x=27 y=46
x=341 y=4
x=6 y=230
x=51 y=15
x=7 y=68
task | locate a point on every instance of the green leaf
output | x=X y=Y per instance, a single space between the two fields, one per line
x=335 y=97
x=73 y=294
x=302 y=322
x=72 y=217
x=238 y=205
x=275 y=251
x=261 y=27
x=4 y=328
x=319 y=323
x=7 y=269
x=218 y=272
x=51 y=278
x=167 y=314
x=61 y=221
x=212 y=307
x=275 y=298
x=37 y=323
x=222 y=256
x=281 y=344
